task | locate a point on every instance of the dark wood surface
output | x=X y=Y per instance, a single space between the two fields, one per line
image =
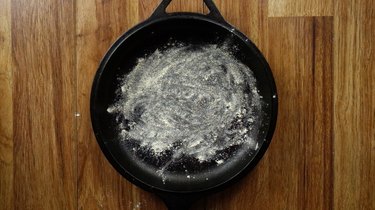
x=322 y=54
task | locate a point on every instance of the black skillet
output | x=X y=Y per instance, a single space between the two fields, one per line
x=177 y=190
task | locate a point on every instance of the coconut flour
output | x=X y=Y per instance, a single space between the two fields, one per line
x=190 y=100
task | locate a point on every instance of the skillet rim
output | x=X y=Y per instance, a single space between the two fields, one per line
x=182 y=15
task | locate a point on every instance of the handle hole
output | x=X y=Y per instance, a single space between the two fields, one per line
x=187 y=6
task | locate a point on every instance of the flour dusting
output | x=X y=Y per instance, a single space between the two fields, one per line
x=189 y=100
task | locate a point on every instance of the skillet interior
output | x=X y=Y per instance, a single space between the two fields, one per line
x=121 y=59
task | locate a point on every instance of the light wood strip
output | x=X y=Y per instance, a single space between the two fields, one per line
x=43 y=45
x=6 y=108
x=99 y=24
x=354 y=102
x=292 y=8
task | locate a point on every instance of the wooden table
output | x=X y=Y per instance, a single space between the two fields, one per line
x=322 y=53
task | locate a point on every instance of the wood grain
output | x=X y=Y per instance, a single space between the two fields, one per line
x=323 y=152
x=99 y=23
x=301 y=146
x=288 y=8
x=354 y=114
x=6 y=108
x=43 y=110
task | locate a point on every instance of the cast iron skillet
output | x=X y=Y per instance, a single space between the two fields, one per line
x=177 y=190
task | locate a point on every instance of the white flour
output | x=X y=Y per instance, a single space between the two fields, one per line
x=192 y=100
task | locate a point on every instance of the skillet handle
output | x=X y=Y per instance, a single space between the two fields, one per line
x=214 y=13
x=178 y=202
